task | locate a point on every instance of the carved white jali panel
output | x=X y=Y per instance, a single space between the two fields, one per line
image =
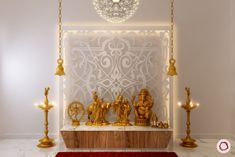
x=117 y=62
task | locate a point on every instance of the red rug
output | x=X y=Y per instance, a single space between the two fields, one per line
x=116 y=154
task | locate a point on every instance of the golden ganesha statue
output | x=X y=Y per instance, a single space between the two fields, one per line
x=143 y=108
x=122 y=109
x=97 y=111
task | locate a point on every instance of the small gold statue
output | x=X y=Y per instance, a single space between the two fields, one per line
x=154 y=120
x=97 y=111
x=162 y=125
x=91 y=108
x=76 y=111
x=122 y=109
x=143 y=108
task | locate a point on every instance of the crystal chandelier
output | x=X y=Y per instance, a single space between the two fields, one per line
x=116 y=11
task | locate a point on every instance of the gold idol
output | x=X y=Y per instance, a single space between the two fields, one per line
x=158 y=124
x=143 y=108
x=97 y=111
x=76 y=112
x=122 y=109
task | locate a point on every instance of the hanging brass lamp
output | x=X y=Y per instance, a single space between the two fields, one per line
x=172 y=61
x=60 y=61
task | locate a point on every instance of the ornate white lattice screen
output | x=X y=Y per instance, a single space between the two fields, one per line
x=116 y=62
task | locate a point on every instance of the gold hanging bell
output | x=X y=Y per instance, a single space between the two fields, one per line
x=60 y=68
x=172 y=68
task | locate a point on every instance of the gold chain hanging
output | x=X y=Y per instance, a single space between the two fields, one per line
x=60 y=61
x=172 y=68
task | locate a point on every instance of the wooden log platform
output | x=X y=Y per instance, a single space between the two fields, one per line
x=116 y=137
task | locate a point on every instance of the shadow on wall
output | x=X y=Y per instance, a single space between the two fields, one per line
x=2 y=100
x=1 y=97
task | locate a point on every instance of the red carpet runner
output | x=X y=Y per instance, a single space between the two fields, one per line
x=116 y=154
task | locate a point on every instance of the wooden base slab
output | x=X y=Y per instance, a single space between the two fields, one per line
x=116 y=139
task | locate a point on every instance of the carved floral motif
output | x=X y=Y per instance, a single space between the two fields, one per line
x=117 y=62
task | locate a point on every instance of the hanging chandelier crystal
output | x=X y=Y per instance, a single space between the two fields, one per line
x=116 y=11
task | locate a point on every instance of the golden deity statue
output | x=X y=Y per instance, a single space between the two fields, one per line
x=76 y=112
x=97 y=111
x=122 y=109
x=143 y=108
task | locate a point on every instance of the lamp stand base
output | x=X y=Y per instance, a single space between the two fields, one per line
x=188 y=142
x=46 y=142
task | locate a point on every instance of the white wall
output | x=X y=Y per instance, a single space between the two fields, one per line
x=29 y=51
x=233 y=61
x=28 y=60
x=1 y=49
x=203 y=29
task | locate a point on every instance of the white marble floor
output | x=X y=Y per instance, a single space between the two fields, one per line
x=27 y=148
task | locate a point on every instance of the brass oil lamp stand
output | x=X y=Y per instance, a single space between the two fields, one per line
x=46 y=142
x=188 y=141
